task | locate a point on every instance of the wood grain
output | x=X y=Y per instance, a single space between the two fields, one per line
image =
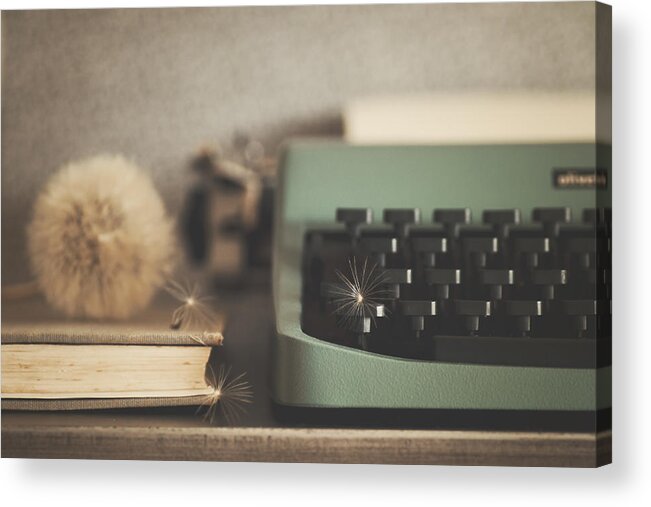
x=310 y=445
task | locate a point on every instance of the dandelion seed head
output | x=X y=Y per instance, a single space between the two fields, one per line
x=100 y=242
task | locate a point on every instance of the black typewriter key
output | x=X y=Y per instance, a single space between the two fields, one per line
x=501 y=216
x=418 y=307
x=583 y=252
x=580 y=307
x=379 y=244
x=427 y=248
x=358 y=324
x=477 y=249
x=452 y=218
x=583 y=312
x=548 y=280
x=361 y=326
x=529 y=249
x=354 y=219
x=579 y=311
x=401 y=219
x=500 y=219
x=417 y=311
x=472 y=312
x=540 y=245
x=429 y=244
x=529 y=245
x=372 y=311
x=550 y=218
x=496 y=279
x=396 y=275
x=378 y=247
x=523 y=312
x=551 y=215
x=393 y=279
x=580 y=244
x=441 y=279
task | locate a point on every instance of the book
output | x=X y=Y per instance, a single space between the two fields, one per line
x=473 y=118
x=53 y=364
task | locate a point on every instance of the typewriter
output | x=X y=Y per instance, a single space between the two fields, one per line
x=416 y=285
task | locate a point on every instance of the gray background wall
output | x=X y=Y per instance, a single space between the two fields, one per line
x=155 y=84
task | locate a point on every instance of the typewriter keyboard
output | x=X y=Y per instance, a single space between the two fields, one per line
x=491 y=291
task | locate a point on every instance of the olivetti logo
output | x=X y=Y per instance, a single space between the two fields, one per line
x=580 y=178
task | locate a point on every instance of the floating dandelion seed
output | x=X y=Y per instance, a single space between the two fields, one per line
x=360 y=293
x=194 y=314
x=228 y=398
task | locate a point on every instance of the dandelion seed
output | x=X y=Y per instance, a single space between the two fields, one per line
x=360 y=292
x=229 y=398
x=194 y=313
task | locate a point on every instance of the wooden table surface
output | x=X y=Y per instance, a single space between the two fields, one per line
x=182 y=434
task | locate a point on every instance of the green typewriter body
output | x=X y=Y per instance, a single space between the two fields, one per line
x=429 y=279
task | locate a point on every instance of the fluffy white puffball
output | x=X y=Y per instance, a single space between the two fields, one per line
x=100 y=243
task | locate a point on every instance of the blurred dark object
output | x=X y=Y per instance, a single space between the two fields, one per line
x=227 y=216
x=195 y=223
